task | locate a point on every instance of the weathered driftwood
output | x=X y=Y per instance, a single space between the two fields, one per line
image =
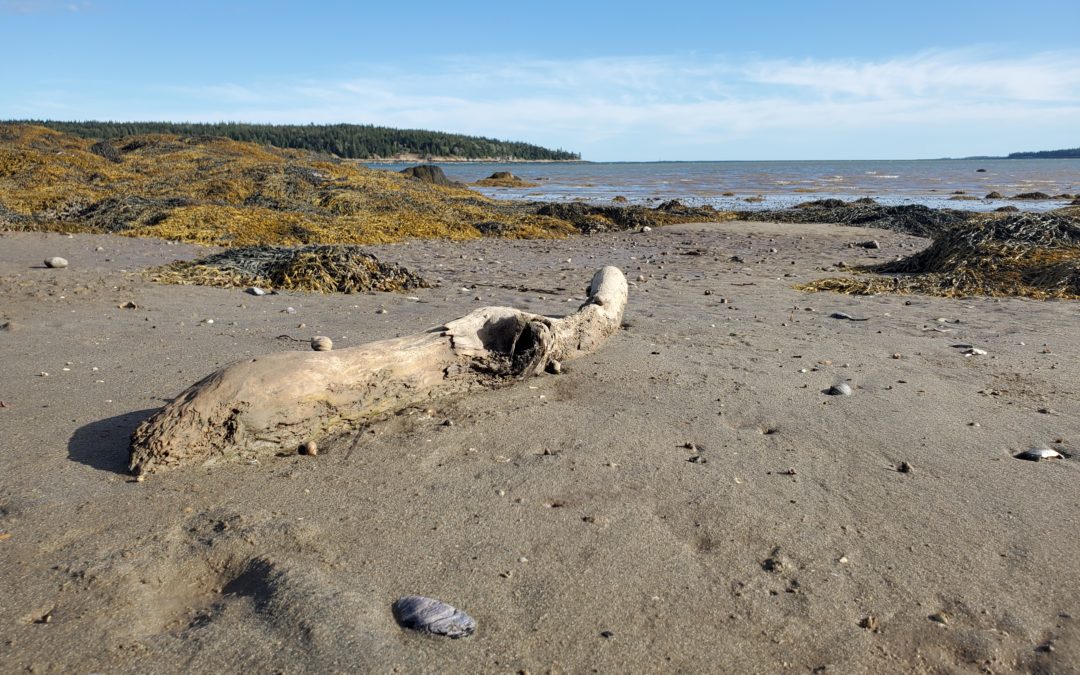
x=276 y=402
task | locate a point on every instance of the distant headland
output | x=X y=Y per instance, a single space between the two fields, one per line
x=1071 y=153
x=351 y=141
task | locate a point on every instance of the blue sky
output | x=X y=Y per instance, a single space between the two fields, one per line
x=615 y=81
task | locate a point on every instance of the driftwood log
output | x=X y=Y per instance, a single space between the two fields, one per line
x=277 y=402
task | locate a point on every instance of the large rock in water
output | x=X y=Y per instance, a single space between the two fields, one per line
x=428 y=173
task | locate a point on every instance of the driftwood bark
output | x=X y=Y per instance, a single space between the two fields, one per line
x=276 y=402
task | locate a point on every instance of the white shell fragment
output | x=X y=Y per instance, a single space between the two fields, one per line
x=1039 y=454
x=56 y=262
x=432 y=616
x=842 y=389
x=321 y=343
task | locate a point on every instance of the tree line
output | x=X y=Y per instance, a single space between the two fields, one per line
x=1073 y=153
x=356 y=141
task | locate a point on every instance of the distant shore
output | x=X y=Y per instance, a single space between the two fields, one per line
x=410 y=158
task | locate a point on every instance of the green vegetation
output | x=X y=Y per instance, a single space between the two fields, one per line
x=353 y=141
x=1073 y=153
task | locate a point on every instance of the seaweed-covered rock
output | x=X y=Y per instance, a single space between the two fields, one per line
x=993 y=195
x=1027 y=254
x=107 y=150
x=915 y=219
x=428 y=173
x=322 y=268
x=503 y=179
x=1032 y=195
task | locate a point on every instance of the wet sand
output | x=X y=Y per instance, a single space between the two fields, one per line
x=687 y=499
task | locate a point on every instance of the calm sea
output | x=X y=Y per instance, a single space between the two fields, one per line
x=778 y=184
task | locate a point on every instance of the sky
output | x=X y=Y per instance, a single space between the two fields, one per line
x=615 y=81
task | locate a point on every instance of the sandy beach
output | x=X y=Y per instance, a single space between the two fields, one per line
x=686 y=499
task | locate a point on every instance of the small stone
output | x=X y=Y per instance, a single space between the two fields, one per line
x=606 y=634
x=555 y=367
x=940 y=617
x=255 y=290
x=708 y=292
x=56 y=262
x=841 y=389
x=975 y=351
x=646 y=228
x=896 y=355
x=381 y=310
x=1039 y=454
x=140 y=478
x=641 y=277
x=869 y=623
x=321 y=343
x=289 y=310
x=309 y=448
x=905 y=468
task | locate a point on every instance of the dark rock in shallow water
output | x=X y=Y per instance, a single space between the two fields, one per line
x=1032 y=195
x=993 y=195
x=1007 y=209
x=822 y=204
x=980 y=170
x=428 y=173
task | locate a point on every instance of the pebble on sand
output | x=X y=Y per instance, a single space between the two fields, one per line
x=309 y=448
x=842 y=389
x=1039 y=454
x=56 y=262
x=429 y=615
x=321 y=343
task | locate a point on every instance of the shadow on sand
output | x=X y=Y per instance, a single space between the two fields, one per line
x=104 y=444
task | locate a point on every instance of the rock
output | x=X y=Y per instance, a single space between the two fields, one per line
x=905 y=468
x=646 y=228
x=429 y=615
x=309 y=448
x=1007 y=209
x=994 y=195
x=428 y=173
x=56 y=262
x=619 y=199
x=980 y=170
x=1032 y=195
x=255 y=290
x=321 y=343
x=1038 y=454
x=873 y=243
x=842 y=389
x=975 y=351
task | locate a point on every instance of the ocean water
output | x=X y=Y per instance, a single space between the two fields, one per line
x=729 y=185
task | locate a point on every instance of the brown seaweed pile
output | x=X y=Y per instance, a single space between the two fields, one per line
x=913 y=219
x=319 y=267
x=1028 y=254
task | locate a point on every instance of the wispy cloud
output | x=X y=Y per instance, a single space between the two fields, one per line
x=638 y=107
x=43 y=6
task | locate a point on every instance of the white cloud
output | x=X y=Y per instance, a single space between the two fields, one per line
x=625 y=108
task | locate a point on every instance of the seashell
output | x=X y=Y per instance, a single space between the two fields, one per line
x=842 y=389
x=432 y=616
x=321 y=343
x=1039 y=454
x=56 y=262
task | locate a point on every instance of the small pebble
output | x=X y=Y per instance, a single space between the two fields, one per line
x=321 y=343
x=905 y=468
x=255 y=290
x=842 y=389
x=309 y=448
x=56 y=262
x=1039 y=454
